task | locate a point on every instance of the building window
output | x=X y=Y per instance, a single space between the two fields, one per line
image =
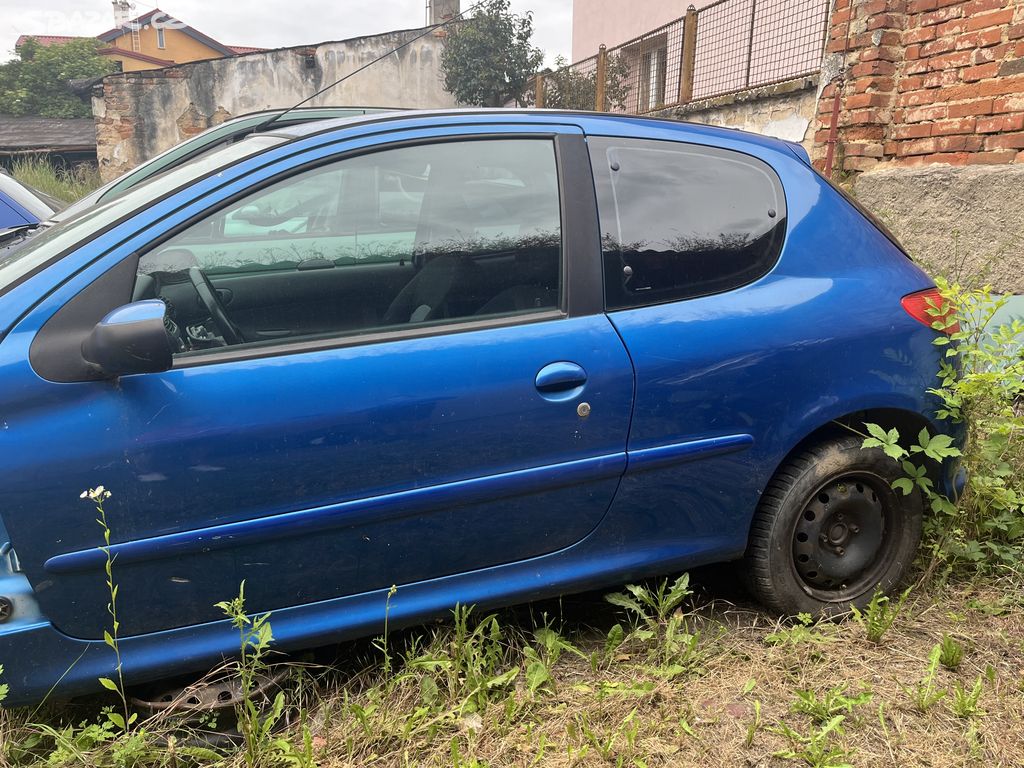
x=653 y=67
x=160 y=38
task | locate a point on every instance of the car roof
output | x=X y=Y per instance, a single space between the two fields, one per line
x=591 y=119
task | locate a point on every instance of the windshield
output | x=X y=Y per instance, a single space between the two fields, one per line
x=48 y=245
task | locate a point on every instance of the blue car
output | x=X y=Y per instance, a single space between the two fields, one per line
x=22 y=206
x=485 y=356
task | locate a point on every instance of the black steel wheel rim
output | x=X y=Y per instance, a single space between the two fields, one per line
x=844 y=536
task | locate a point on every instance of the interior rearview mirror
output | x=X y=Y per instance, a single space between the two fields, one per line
x=131 y=339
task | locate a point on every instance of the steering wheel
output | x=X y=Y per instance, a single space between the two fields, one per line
x=208 y=295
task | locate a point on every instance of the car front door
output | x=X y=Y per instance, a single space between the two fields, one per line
x=424 y=384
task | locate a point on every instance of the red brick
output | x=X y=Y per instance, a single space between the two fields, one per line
x=883 y=21
x=994 y=19
x=920 y=114
x=949 y=28
x=951 y=158
x=865 y=133
x=981 y=39
x=1005 y=141
x=1016 y=32
x=921 y=6
x=915 y=67
x=1000 y=123
x=1003 y=86
x=980 y=6
x=950 y=60
x=874 y=7
x=1008 y=104
x=875 y=84
x=954 y=126
x=982 y=72
x=869 y=68
x=942 y=45
x=993 y=158
x=939 y=16
x=918 y=35
x=916 y=98
x=1019 y=158
x=980 y=107
x=861 y=100
x=884 y=53
x=941 y=78
x=913 y=131
x=910 y=84
x=917 y=147
x=912 y=52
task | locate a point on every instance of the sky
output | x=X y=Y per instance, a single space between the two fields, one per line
x=267 y=24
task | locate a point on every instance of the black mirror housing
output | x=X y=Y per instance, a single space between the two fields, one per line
x=130 y=339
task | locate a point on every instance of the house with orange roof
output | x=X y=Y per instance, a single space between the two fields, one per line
x=151 y=41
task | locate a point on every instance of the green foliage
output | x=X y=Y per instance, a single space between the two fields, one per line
x=37 y=82
x=257 y=723
x=817 y=748
x=570 y=88
x=965 y=703
x=123 y=720
x=62 y=184
x=981 y=389
x=803 y=632
x=488 y=60
x=951 y=653
x=653 y=606
x=879 y=615
x=832 y=702
x=926 y=693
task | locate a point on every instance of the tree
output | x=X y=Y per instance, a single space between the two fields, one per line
x=37 y=82
x=569 y=87
x=488 y=60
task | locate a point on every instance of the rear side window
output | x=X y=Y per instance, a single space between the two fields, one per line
x=680 y=220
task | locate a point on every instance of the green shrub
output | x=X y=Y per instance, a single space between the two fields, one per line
x=981 y=388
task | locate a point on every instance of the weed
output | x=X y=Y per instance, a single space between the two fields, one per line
x=831 y=703
x=965 y=703
x=804 y=631
x=64 y=185
x=124 y=719
x=925 y=694
x=951 y=653
x=754 y=726
x=879 y=615
x=981 y=386
x=817 y=748
x=257 y=726
x=381 y=643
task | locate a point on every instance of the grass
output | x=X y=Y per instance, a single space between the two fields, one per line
x=579 y=682
x=59 y=183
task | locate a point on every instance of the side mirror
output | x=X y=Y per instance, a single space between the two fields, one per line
x=131 y=339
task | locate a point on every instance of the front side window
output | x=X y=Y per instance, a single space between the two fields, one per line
x=409 y=236
x=680 y=221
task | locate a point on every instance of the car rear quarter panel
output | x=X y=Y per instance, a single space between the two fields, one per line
x=823 y=335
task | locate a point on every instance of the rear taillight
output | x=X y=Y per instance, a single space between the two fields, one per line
x=928 y=307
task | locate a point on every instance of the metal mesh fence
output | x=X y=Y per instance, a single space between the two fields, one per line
x=735 y=45
x=745 y=44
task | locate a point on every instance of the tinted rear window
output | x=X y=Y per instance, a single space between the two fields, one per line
x=680 y=220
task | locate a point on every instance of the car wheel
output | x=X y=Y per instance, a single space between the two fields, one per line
x=830 y=530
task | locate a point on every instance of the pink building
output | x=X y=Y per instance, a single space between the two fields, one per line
x=615 y=21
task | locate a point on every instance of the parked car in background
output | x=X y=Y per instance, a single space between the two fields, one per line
x=21 y=205
x=485 y=356
x=219 y=135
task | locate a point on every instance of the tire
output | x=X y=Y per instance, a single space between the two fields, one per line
x=829 y=530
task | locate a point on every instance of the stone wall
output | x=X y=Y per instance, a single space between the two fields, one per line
x=785 y=111
x=140 y=114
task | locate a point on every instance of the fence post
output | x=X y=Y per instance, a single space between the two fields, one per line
x=601 y=79
x=689 y=56
x=538 y=85
x=750 y=39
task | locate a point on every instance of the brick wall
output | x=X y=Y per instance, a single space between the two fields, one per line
x=924 y=81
